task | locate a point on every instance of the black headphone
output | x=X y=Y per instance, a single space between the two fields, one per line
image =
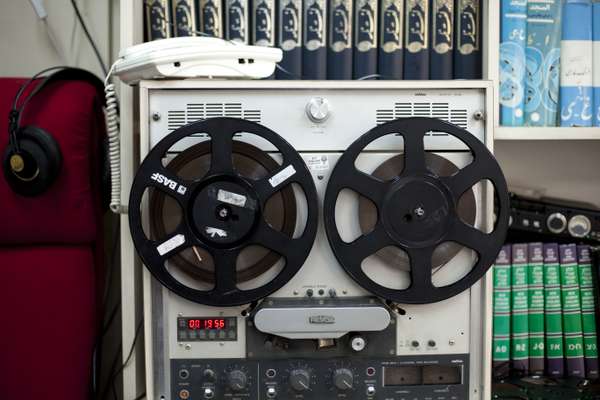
x=33 y=160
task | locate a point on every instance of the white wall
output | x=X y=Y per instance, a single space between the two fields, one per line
x=25 y=47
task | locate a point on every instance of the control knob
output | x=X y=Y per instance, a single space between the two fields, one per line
x=237 y=380
x=317 y=109
x=579 y=226
x=300 y=380
x=556 y=223
x=343 y=378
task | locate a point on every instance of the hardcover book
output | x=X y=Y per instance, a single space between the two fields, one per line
x=519 y=353
x=365 y=39
x=209 y=17
x=542 y=62
x=314 y=56
x=184 y=23
x=237 y=21
x=441 y=39
x=339 y=38
x=553 y=310
x=263 y=23
x=289 y=38
x=391 y=28
x=416 y=39
x=467 y=51
x=513 y=32
x=535 y=282
x=501 y=329
x=573 y=334
x=588 y=311
x=576 y=79
x=158 y=19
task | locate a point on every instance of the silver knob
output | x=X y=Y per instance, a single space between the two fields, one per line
x=271 y=392
x=358 y=343
x=318 y=109
x=209 y=393
x=370 y=390
x=580 y=226
x=556 y=222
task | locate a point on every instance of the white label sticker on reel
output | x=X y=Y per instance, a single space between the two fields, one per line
x=318 y=163
x=234 y=199
x=170 y=244
x=282 y=176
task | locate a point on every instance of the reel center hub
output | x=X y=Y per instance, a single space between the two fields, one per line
x=416 y=211
x=224 y=211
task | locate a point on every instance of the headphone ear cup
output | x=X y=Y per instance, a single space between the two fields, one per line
x=37 y=165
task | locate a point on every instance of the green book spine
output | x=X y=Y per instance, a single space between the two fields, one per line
x=535 y=283
x=519 y=352
x=588 y=312
x=553 y=310
x=573 y=333
x=501 y=330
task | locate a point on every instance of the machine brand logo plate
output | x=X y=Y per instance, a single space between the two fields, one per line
x=321 y=319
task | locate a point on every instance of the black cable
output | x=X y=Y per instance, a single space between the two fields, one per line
x=89 y=37
x=116 y=372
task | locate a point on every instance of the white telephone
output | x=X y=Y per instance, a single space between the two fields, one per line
x=195 y=57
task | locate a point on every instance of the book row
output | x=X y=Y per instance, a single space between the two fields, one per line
x=544 y=320
x=339 y=39
x=550 y=63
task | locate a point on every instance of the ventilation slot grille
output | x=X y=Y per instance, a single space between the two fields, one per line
x=431 y=110
x=199 y=111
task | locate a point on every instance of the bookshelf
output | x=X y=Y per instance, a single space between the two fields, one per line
x=556 y=162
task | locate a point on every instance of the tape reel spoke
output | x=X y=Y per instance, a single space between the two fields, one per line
x=468 y=236
x=225 y=271
x=271 y=184
x=169 y=183
x=221 y=144
x=420 y=271
x=272 y=239
x=368 y=244
x=414 y=152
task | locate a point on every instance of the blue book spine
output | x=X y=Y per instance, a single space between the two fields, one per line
x=314 y=57
x=467 y=51
x=416 y=39
x=576 y=79
x=441 y=39
x=339 y=40
x=391 y=28
x=237 y=21
x=209 y=18
x=513 y=32
x=158 y=19
x=263 y=23
x=542 y=62
x=289 y=38
x=365 y=39
x=596 y=38
x=184 y=23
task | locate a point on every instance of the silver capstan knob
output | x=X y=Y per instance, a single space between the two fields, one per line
x=343 y=378
x=237 y=380
x=318 y=109
x=300 y=380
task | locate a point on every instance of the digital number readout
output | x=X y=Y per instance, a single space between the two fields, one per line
x=210 y=323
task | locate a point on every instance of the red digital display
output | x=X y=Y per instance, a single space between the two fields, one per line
x=207 y=323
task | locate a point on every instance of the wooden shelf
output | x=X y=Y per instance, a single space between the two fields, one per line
x=546 y=133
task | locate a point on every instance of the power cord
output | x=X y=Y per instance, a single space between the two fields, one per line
x=89 y=37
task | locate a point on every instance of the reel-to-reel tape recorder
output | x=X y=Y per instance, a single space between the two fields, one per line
x=317 y=240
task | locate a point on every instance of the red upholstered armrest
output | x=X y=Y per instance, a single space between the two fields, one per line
x=68 y=211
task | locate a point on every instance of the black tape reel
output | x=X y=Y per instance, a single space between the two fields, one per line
x=417 y=211
x=223 y=212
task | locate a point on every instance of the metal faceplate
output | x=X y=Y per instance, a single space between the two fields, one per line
x=446 y=333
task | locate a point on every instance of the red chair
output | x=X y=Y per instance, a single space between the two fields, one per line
x=51 y=252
